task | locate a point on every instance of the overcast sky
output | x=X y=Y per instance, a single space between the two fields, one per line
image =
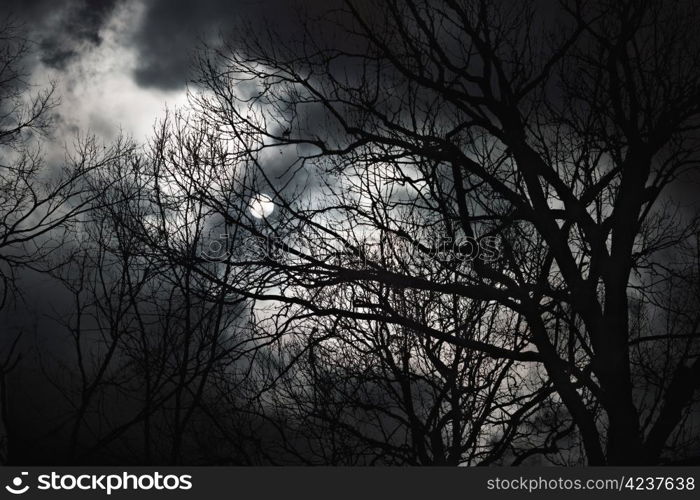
x=118 y=63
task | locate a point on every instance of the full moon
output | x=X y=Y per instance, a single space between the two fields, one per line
x=261 y=206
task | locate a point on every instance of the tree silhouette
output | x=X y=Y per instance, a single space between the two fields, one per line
x=37 y=203
x=563 y=139
x=423 y=232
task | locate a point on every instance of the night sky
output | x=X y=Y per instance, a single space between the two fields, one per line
x=120 y=66
x=119 y=63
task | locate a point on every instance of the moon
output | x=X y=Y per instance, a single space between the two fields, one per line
x=261 y=206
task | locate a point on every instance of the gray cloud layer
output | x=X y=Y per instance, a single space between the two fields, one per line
x=165 y=35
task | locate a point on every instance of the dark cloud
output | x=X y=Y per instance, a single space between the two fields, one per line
x=79 y=23
x=172 y=30
x=60 y=28
x=166 y=36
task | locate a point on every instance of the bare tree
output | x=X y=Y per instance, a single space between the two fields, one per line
x=37 y=203
x=562 y=142
x=149 y=335
x=351 y=391
x=447 y=237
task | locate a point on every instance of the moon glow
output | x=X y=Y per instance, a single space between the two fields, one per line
x=261 y=206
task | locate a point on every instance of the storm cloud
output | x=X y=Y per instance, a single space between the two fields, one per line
x=165 y=33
